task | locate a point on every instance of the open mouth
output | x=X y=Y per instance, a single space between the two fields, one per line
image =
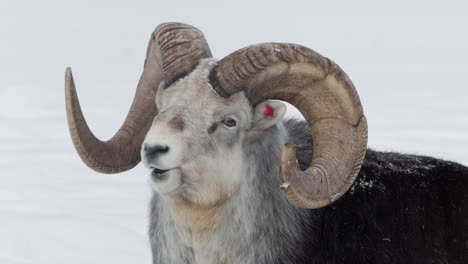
x=158 y=172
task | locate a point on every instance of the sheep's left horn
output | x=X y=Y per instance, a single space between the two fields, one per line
x=173 y=51
x=327 y=99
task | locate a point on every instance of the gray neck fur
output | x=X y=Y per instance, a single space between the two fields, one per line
x=258 y=225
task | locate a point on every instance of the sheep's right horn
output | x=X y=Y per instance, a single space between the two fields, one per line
x=174 y=50
x=327 y=99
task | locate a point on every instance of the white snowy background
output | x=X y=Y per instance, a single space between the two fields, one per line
x=408 y=60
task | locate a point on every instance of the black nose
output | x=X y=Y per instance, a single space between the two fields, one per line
x=153 y=151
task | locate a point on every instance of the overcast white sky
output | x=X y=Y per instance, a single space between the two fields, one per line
x=408 y=60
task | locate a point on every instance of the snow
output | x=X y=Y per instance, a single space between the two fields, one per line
x=408 y=61
x=284 y=186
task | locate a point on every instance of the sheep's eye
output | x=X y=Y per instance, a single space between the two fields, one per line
x=229 y=122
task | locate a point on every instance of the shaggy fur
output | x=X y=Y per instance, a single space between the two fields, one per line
x=401 y=209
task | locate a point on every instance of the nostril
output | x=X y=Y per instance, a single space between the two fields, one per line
x=154 y=150
x=162 y=149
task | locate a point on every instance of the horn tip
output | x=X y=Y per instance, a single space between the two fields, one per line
x=68 y=74
x=289 y=153
x=288 y=163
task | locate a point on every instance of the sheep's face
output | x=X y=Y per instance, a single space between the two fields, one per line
x=195 y=146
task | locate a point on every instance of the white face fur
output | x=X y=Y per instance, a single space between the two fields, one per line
x=195 y=144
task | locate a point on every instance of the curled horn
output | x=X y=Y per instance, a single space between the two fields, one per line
x=326 y=97
x=173 y=51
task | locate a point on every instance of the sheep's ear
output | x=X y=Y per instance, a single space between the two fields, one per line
x=159 y=94
x=267 y=114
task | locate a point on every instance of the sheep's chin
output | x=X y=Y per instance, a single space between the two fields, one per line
x=167 y=182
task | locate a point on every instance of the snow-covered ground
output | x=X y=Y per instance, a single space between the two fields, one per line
x=409 y=62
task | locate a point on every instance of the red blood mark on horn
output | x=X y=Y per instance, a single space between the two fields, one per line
x=268 y=111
